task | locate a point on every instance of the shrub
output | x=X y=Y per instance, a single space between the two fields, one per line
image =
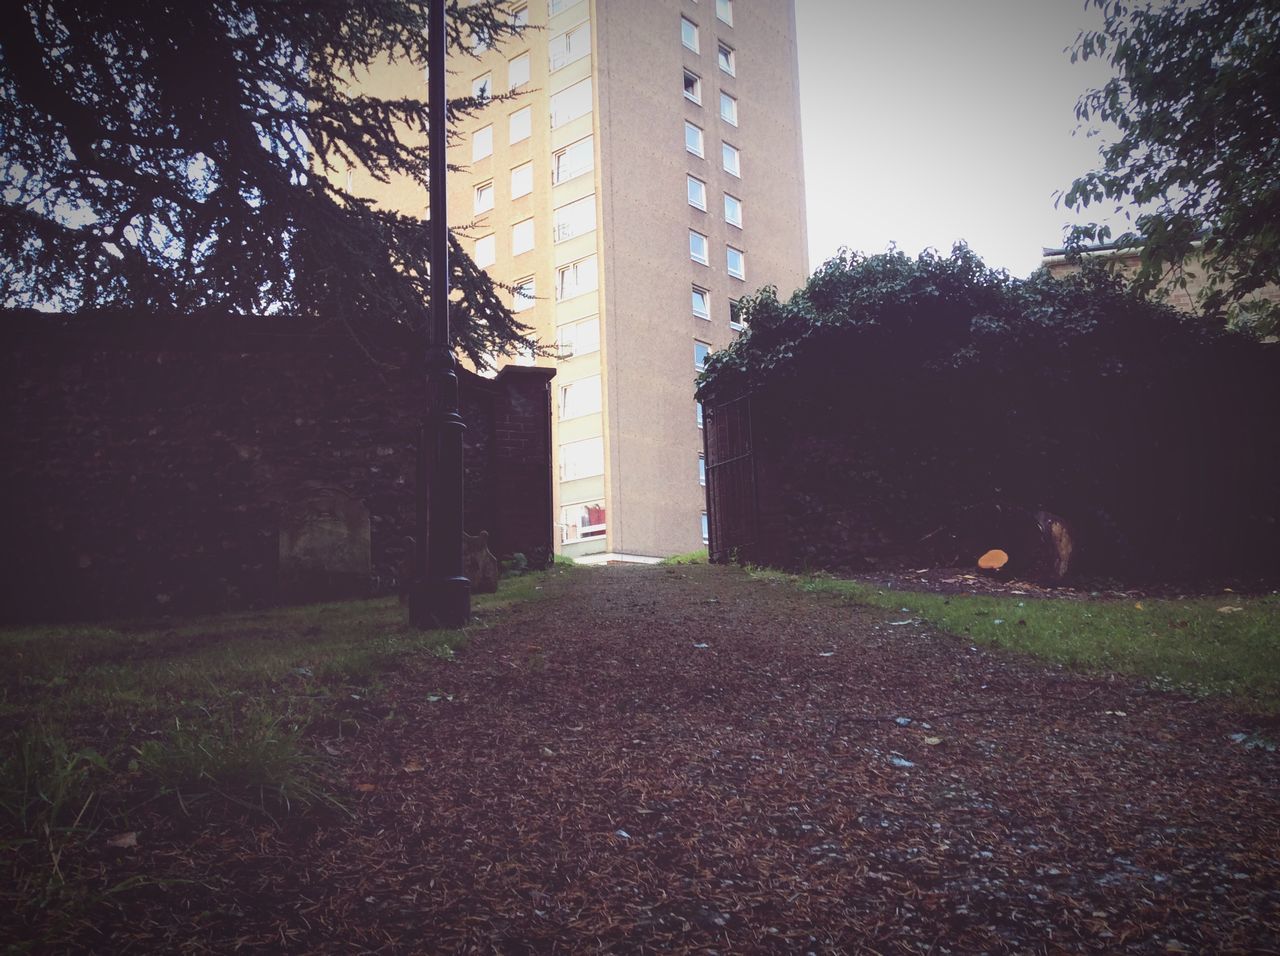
x=892 y=396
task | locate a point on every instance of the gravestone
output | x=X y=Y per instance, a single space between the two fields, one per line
x=324 y=549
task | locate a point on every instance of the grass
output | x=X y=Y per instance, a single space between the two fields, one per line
x=215 y=705
x=1193 y=645
x=693 y=557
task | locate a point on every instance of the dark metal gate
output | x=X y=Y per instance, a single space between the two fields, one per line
x=732 y=512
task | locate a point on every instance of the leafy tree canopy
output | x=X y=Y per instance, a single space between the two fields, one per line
x=169 y=155
x=1196 y=100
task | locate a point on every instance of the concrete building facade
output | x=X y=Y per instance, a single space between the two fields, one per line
x=645 y=173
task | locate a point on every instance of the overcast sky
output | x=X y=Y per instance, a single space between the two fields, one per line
x=928 y=121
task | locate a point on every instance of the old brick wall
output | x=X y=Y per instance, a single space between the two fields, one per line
x=163 y=463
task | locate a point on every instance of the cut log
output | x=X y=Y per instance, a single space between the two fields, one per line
x=993 y=560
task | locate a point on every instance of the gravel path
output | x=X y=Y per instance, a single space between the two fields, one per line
x=684 y=759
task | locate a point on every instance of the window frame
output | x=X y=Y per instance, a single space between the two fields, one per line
x=732 y=100
x=478 y=190
x=728 y=149
x=528 y=70
x=696 y=291
x=706 y=246
x=725 y=54
x=562 y=404
x=492 y=239
x=727 y=6
x=581 y=84
x=735 y=322
x=742 y=261
x=575 y=350
x=478 y=140
x=526 y=126
x=706 y=345
x=516 y=169
x=701 y=151
x=596 y=530
x=696 y=96
x=730 y=198
x=590 y=474
x=562 y=271
x=533 y=237
x=693 y=31
x=588 y=201
x=519 y=295
x=566 y=35
x=690 y=179
x=564 y=151
x=487 y=86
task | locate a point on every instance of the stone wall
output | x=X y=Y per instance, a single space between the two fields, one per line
x=166 y=463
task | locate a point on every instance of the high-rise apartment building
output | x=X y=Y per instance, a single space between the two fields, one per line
x=648 y=175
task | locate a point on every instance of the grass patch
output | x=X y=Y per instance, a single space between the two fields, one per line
x=1190 y=644
x=221 y=704
x=693 y=557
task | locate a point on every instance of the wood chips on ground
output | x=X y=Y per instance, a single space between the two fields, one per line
x=684 y=759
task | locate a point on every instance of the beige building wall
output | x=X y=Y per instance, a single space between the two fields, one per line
x=626 y=426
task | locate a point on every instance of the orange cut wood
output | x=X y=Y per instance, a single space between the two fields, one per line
x=993 y=560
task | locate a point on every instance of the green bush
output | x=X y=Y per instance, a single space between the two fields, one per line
x=893 y=396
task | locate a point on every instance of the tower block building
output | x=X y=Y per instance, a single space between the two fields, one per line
x=647 y=175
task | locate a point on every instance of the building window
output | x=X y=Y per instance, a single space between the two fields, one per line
x=570 y=103
x=730 y=159
x=701 y=352
x=524 y=295
x=555 y=6
x=482 y=86
x=520 y=16
x=735 y=315
x=578 y=338
x=482 y=143
x=522 y=180
x=692 y=87
x=480 y=41
x=521 y=125
x=571 y=46
x=580 y=398
x=733 y=210
x=486 y=251
x=725 y=57
x=705 y=537
x=737 y=263
x=484 y=197
x=698 y=412
x=518 y=72
x=701 y=300
x=689 y=34
x=697 y=193
x=702 y=470
x=582 y=459
x=582 y=521
x=576 y=278
x=522 y=237
x=724 y=11
x=575 y=218
x=698 y=247
x=572 y=161
x=693 y=139
x=728 y=109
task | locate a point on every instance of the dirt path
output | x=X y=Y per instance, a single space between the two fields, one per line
x=686 y=759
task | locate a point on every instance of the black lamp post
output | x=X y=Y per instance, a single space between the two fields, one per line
x=440 y=595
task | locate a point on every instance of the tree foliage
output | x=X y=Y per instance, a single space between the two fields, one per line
x=169 y=155
x=896 y=395
x=1196 y=100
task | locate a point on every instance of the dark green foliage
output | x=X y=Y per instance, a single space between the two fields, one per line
x=898 y=395
x=1195 y=100
x=166 y=156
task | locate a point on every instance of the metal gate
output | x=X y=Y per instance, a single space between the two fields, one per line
x=732 y=512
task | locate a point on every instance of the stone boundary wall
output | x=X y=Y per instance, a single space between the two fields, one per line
x=164 y=463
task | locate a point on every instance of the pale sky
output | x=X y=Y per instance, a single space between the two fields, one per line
x=928 y=121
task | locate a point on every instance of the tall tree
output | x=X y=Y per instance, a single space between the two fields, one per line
x=165 y=154
x=1196 y=168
